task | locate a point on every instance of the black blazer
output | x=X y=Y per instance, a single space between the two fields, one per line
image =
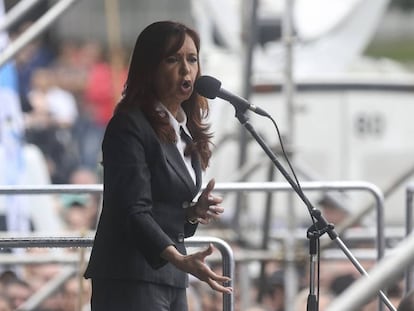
x=146 y=184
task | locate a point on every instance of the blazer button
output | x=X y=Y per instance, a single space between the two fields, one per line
x=180 y=237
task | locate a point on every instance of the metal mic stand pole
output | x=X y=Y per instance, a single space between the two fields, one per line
x=320 y=226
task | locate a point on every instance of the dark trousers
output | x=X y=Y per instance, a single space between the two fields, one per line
x=129 y=295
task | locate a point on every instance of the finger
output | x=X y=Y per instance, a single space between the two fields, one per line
x=203 y=221
x=220 y=278
x=211 y=275
x=208 y=251
x=214 y=200
x=220 y=288
x=210 y=186
x=215 y=209
x=212 y=216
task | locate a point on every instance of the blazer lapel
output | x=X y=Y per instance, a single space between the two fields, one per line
x=195 y=161
x=174 y=158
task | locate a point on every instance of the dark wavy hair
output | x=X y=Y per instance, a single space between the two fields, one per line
x=156 y=42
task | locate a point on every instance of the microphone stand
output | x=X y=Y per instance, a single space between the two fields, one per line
x=315 y=231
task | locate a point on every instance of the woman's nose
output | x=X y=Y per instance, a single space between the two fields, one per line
x=185 y=68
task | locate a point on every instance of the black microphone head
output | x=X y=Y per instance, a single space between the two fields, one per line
x=207 y=86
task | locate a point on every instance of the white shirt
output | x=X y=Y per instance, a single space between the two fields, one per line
x=177 y=123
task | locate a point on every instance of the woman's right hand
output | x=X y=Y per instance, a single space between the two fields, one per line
x=195 y=265
x=207 y=207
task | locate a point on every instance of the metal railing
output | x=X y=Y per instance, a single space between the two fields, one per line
x=237 y=187
x=34 y=30
x=408 y=230
x=320 y=186
x=228 y=260
x=385 y=272
x=62 y=242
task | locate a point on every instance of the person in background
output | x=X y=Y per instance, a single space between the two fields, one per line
x=341 y=282
x=50 y=122
x=275 y=292
x=5 y=304
x=154 y=150
x=76 y=294
x=407 y=302
x=86 y=176
x=324 y=299
x=34 y=55
x=75 y=213
x=18 y=291
x=334 y=207
x=101 y=91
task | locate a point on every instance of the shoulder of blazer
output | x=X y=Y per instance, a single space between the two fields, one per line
x=128 y=126
x=133 y=120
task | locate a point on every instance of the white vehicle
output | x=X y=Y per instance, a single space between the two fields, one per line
x=350 y=117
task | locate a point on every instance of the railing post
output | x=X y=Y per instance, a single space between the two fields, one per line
x=408 y=230
x=227 y=263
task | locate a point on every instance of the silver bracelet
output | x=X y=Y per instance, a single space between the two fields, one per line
x=187 y=205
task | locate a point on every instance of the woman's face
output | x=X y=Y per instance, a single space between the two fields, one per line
x=176 y=74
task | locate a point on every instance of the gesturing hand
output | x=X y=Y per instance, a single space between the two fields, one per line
x=207 y=208
x=195 y=265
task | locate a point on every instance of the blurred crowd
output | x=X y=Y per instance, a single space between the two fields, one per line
x=269 y=294
x=18 y=291
x=67 y=99
x=55 y=103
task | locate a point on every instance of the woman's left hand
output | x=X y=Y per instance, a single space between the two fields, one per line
x=195 y=265
x=207 y=207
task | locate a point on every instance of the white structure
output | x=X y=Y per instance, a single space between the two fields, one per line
x=352 y=115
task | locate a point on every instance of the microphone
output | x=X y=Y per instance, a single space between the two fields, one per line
x=210 y=87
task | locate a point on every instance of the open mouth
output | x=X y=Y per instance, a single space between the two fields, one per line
x=186 y=85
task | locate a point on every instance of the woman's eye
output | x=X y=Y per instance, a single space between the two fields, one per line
x=193 y=59
x=171 y=59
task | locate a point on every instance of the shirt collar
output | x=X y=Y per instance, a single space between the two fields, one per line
x=176 y=123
